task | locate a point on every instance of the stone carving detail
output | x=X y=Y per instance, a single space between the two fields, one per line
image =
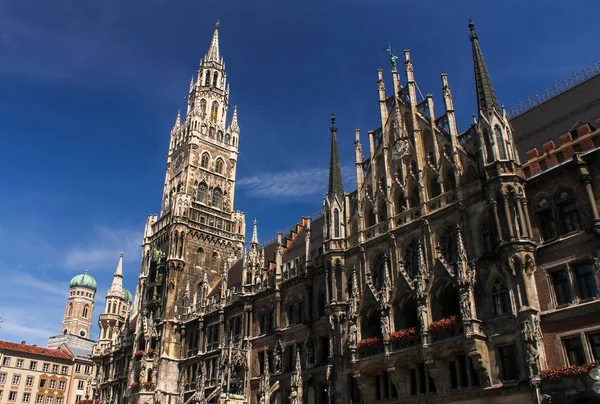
x=532 y=346
x=482 y=372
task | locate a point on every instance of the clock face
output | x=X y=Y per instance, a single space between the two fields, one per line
x=179 y=162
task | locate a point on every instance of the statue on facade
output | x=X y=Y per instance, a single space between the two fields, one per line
x=352 y=335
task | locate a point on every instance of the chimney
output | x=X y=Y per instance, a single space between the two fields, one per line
x=23 y=342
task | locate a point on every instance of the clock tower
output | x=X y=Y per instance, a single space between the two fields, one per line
x=191 y=245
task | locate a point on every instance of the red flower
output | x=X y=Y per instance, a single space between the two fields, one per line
x=134 y=386
x=139 y=353
x=565 y=371
x=402 y=334
x=148 y=385
x=444 y=324
x=369 y=342
x=150 y=351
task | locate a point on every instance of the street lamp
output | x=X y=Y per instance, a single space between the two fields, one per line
x=595 y=374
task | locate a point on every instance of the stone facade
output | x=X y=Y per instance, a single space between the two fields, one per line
x=422 y=285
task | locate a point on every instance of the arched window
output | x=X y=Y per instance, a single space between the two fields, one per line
x=569 y=213
x=204 y=160
x=321 y=301
x=215 y=78
x=435 y=189
x=445 y=301
x=449 y=180
x=217 y=198
x=227 y=138
x=203 y=109
x=219 y=166
x=415 y=199
x=405 y=313
x=201 y=193
x=214 y=111
x=545 y=216
x=110 y=332
x=501 y=143
x=400 y=202
x=199 y=257
x=411 y=262
x=214 y=262
x=336 y=223
x=300 y=308
x=85 y=311
x=291 y=314
x=220 y=136
x=70 y=312
x=500 y=298
x=207 y=78
x=488 y=146
x=109 y=307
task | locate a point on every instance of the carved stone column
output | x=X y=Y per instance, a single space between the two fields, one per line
x=511 y=232
x=494 y=203
x=401 y=379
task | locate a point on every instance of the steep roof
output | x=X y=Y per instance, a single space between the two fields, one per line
x=33 y=350
x=486 y=97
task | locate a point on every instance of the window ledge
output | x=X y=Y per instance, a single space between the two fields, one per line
x=566 y=311
x=562 y=237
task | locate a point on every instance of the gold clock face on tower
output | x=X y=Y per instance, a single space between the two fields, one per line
x=178 y=162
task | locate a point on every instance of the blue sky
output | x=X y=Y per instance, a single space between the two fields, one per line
x=89 y=92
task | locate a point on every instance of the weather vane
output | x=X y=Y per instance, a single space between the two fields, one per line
x=393 y=58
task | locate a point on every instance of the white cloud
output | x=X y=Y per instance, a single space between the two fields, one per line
x=293 y=184
x=103 y=251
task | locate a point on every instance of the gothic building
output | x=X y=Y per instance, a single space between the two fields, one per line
x=417 y=286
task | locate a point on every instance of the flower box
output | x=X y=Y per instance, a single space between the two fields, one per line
x=151 y=352
x=566 y=371
x=403 y=334
x=369 y=343
x=148 y=385
x=444 y=324
x=134 y=386
x=139 y=354
x=404 y=338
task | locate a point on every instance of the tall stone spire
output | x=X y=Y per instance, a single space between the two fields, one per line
x=117 y=283
x=254 y=234
x=486 y=98
x=213 y=52
x=335 y=171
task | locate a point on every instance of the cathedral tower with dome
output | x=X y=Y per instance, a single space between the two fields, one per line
x=80 y=306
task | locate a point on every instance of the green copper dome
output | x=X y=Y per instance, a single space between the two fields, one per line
x=84 y=281
x=127 y=296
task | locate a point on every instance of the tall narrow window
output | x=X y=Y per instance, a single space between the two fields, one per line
x=214 y=110
x=501 y=143
x=214 y=262
x=216 y=198
x=70 y=310
x=586 y=285
x=562 y=287
x=201 y=193
x=199 y=257
x=85 y=311
x=336 y=223
x=488 y=146
x=508 y=363
x=574 y=351
x=594 y=340
x=219 y=166
x=569 y=214
x=207 y=78
x=215 y=78
x=546 y=219
x=204 y=160
x=500 y=298
x=203 y=109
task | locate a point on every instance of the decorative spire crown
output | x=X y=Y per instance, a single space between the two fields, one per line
x=213 y=51
x=336 y=186
x=254 y=233
x=486 y=97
